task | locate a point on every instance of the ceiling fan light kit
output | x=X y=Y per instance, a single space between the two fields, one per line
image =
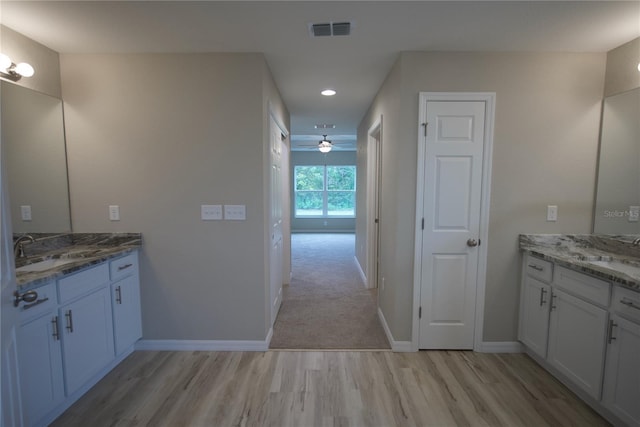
x=325 y=145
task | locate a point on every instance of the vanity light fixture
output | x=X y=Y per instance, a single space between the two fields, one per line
x=325 y=145
x=638 y=66
x=328 y=92
x=14 y=72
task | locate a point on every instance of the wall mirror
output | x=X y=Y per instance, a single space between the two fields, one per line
x=617 y=207
x=34 y=154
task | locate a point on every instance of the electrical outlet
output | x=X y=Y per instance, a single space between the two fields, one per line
x=25 y=211
x=114 y=212
x=211 y=212
x=235 y=212
x=552 y=213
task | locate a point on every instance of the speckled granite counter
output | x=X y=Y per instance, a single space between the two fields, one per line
x=579 y=251
x=81 y=249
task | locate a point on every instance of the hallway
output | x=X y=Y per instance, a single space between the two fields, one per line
x=326 y=306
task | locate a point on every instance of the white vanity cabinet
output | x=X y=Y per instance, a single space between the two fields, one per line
x=586 y=332
x=125 y=300
x=82 y=325
x=577 y=336
x=40 y=355
x=534 y=311
x=622 y=371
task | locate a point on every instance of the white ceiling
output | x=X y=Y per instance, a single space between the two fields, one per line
x=302 y=66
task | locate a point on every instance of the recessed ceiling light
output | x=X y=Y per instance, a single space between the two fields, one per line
x=328 y=92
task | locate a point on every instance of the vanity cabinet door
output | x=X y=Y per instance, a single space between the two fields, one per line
x=87 y=327
x=127 y=323
x=40 y=356
x=622 y=373
x=577 y=338
x=534 y=319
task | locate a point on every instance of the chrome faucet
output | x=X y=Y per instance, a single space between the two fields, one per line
x=636 y=242
x=18 y=250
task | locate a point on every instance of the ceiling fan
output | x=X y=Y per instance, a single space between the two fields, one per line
x=324 y=145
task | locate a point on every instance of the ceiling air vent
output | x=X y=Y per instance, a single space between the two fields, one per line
x=341 y=28
x=324 y=126
x=330 y=29
x=321 y=30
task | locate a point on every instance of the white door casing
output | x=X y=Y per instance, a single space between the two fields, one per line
x=275 y=222
x=10 y=396
x=452 y=219
x=374 y=151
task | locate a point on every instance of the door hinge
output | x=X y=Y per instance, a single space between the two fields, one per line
x=422 y=223
x=424 y=125
x=420 y=312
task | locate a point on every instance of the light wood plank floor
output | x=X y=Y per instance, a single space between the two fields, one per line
x=334 y=388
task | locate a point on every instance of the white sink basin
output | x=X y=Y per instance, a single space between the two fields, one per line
x=45 y=265
x=628 y=269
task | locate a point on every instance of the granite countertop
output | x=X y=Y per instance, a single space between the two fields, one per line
x=580 y=251
x=81 y=249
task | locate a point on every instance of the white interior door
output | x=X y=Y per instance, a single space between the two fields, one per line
x=276 y=251
x=451 y=210
x=9 y=374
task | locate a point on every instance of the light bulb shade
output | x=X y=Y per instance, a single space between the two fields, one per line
x=5 y=62
x=24 y=69
x=325 y=146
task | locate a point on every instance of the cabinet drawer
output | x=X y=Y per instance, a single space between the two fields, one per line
x=83 y=282
x=581 y=285
x=538 y=268
x=123 y=267
x=627 y=303
x=47 y=301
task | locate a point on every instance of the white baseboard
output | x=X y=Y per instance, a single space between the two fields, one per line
x=396 y=346
x=204 y=345
x=362 y=275
x=500 y=347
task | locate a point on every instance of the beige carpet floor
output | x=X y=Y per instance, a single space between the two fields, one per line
x=326 y=306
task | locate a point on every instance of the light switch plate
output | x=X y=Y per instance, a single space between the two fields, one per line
x=634 y=213
x=235 y=212
x=25 y=212
x=552 y=213
x=210 y=212
x=114 y=212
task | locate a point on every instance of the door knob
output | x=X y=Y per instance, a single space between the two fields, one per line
x=472 y=242
x=29 y=296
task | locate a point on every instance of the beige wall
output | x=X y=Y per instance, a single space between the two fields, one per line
x=159 y=135
x=44 y=60
x=387 y=109
x=622 y=68
x=545 y=149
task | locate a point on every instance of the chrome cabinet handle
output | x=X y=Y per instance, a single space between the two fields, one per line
x=629 y=304
x=553 y=298
x=69 y=317
x=472 y=243
x=542 y=292
x=124 y=267
x=535 y=267
x=29 y=296
x=612 y=325
x=56 y=332
x=118 y=295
